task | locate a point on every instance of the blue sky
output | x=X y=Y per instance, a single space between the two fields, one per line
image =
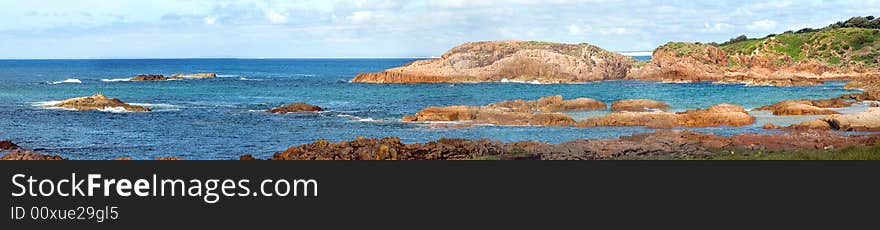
x=383 y=28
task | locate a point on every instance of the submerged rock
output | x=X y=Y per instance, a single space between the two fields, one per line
x=19 y=154
x=194 y=75
x=296 y=107
x=8 y=145
x=149 y=77
x=717 y=115
x=638 y=105
x=517 y=61
x=98 y=102
x=541 y=112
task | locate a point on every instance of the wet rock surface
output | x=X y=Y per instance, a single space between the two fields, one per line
x=296 y=107
x=149 y=77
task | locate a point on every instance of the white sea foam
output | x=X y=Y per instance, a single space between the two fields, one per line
x=359 y=119
x=114 y=110
x=534 y=82
x=45 y=103
x=227 y=75
x=116 y=79
x=69 y=80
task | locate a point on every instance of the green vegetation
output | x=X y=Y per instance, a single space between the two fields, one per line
x=852 y=42
x=684 y=48
x=851 y=153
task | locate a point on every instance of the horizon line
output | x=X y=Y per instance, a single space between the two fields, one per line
x=627 y=53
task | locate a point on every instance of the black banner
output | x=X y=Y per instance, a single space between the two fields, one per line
x=452 y=194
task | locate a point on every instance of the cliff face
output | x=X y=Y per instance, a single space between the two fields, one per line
x=784 y=60
x=527 y=61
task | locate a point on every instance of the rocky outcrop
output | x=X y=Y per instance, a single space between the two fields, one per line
x=149 y=77
x=97 y=102
x=159 y=77
x=638 y=105
x=800 y=140
x=676 y=144
x=169 y=159
x=525 y=61
x=194 y=75
x=757 y=66
x=717 y=115
x=541 y=112
x=8 y=145
x=806 y=107
x=868 y=121
x=19 y=154
x=870 y=95
x=296 y=107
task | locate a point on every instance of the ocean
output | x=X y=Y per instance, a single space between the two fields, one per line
x=223 y=118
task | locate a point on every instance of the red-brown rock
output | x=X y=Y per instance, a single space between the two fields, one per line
x=19 y=154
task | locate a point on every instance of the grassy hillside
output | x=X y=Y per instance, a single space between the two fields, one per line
x=833 y=46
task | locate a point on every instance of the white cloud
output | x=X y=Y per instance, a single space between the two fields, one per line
x=275 y=17
x=716 y=27
x=209 y=20
x=762 y=25
x=361 y=16
x=614 y=31
x=579 y=30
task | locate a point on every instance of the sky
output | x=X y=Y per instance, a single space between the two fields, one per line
x=384 y=28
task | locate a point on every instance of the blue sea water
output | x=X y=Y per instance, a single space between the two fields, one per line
x=222 y=118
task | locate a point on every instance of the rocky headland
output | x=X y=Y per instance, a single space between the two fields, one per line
x=519 y=61
x=97 y=102
x=842 y=51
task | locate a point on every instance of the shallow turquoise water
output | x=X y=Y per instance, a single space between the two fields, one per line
x=221 y=118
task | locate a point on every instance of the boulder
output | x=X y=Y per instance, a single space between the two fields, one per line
x=98 y=102
x=19 y=154
x=868 y=121
x=806 y=107
x=541 y=112
x=795 y=108
x=551 y=119
x=296 y=107
x=638 y=105
x=149 y=77
x=648 y=119
x=8 y=145
x=717 y=115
